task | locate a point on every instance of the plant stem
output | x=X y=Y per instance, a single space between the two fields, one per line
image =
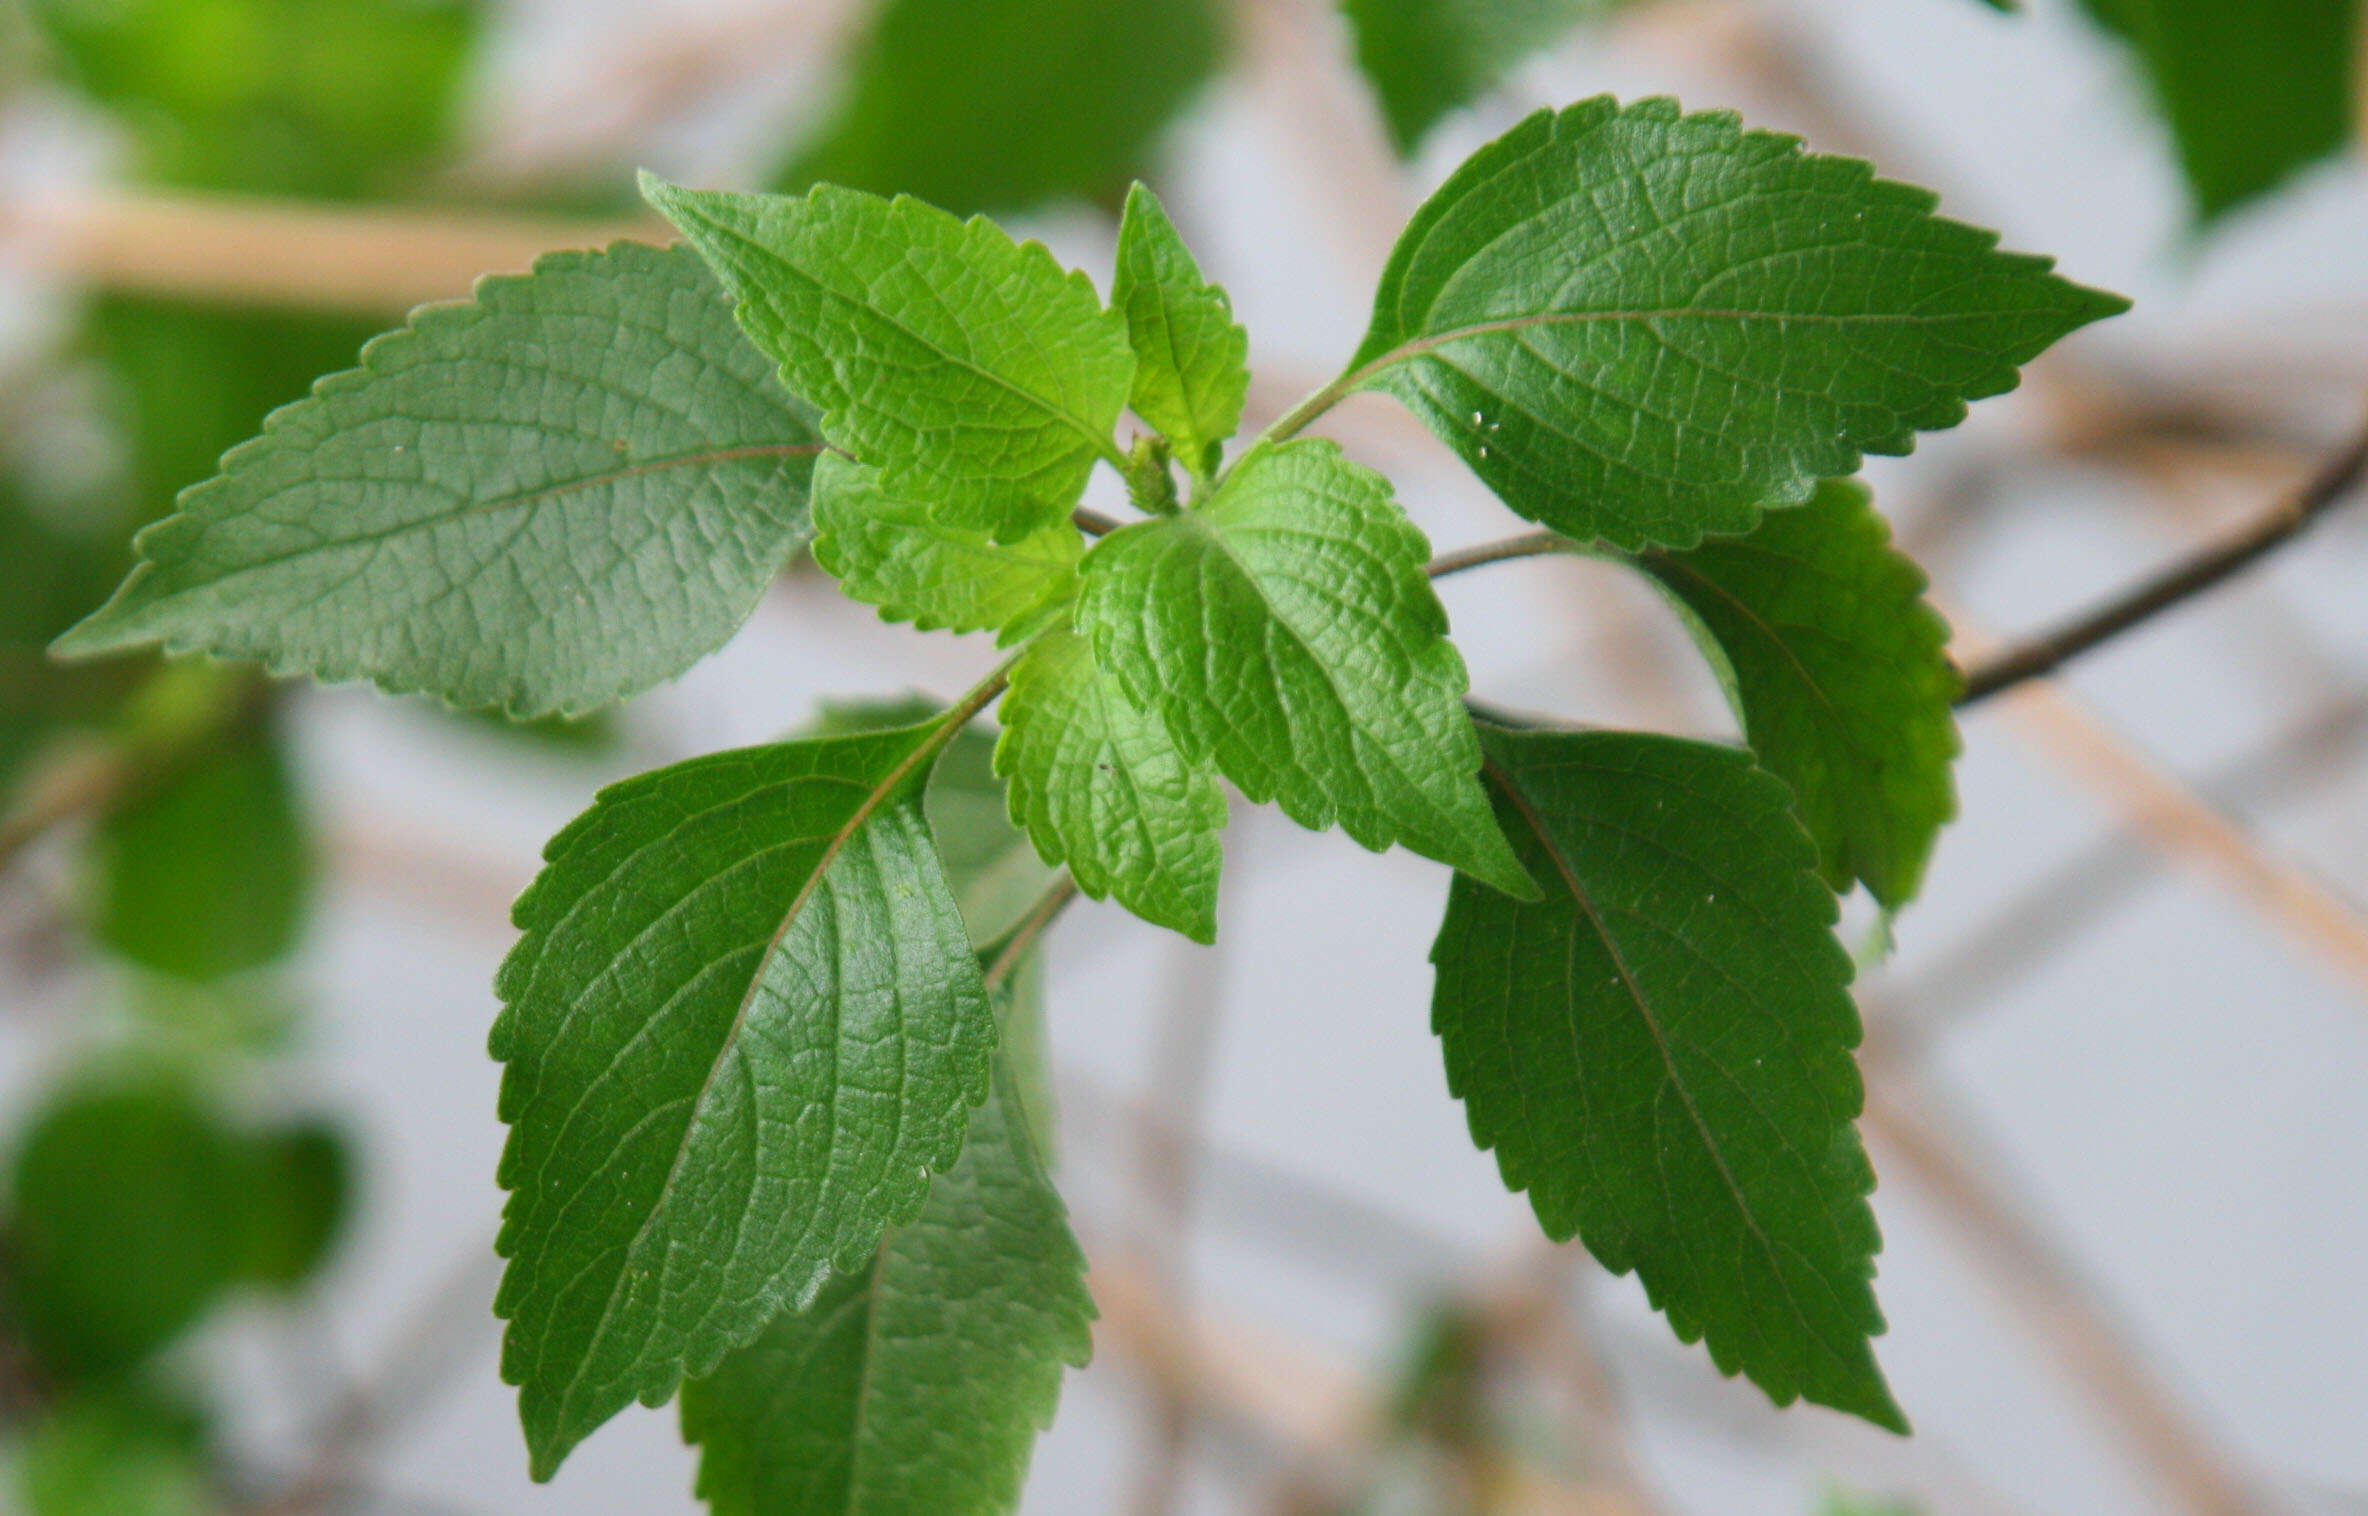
x=1303 y=415
x=1015 y=943
x=1528 y=545
x=1094 y=523
x=2288 y=519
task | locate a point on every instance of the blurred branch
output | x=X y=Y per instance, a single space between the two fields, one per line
x=374 y=260
x=2065 y=1313
x=2289 y=518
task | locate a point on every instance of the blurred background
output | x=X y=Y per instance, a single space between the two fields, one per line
x=2116 y=1052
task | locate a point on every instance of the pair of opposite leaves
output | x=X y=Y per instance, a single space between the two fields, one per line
x=1639 y=327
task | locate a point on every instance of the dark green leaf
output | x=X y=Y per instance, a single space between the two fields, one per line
x=971 y=370
x=1644 y=326
x=1189 y=351
x=892 y=552
x=1428 y=58
x=2252 y=91
x=1285 y=630
x=742 y=1028
x=1837 y=668
x=1099 y=785
x=558 y=493
x=210 y=872
x=917 y=1384
x=300 y=1189
x=129 y=1222
x=996 y=105
x=1659 y=1051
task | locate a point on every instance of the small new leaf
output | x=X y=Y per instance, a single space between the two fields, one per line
x=917 y=1384
x=1659 y=1050
x=742 y=1028
x=973 y=371
x=1285 y=630
x=1643 y=326
x=1190 y=378
x=1100 y=786
x=892 y=552
x=556 y=494
x=1836 y=667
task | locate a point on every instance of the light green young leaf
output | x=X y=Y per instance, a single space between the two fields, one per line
x=2252 y=92
x=891 y=551
x=1099 y=785
x=1285 y=630
x=1190 y=379
x=1428 y=58
x=115 y=1452
x=1659 y=1050
x=1643 y=326
x=210 y=872
x=743 y=1027
x=973 y=371
x=553 y=495
x=918 y=1384
x=951 y=100
x=1840 y=678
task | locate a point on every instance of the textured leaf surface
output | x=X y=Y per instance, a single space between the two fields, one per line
x=1838 y=673
x=558 y=493
x=1659 y=1051
x=2252 y=92
x=918 y=1384
x=210 y=872
x=1644 y=326
x=973 y=371
x=996 y=105
x=1190 y=378
x=1428 y=58
x=1285 y=630
x=742 y=1028
x=1100 y=786
x=891 y=551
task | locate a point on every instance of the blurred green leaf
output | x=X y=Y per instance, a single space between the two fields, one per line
x=302 y=1183
x=128 y=1221
x=1429 y=58
x=115 y=1455
x=996 y=105
x=208 y=873
x=2253 y=91
x=324 y=98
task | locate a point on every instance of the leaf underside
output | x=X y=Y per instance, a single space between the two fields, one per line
x=1642 y=326
x=553 y=495
x=917 y=1384
x=1838 y=671
x=1285 y=631
x=742 y=1028
x=1658 y=1052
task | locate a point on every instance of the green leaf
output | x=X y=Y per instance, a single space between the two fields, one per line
x=1644 y=326
x=953 y=100
x=1099 y=785
x=561 y=492
x=129 y=1221
x=890 y=551
x=320 y=98
x=1429 y=58
x=973 y=371
x=1285 y=630
x=1839 y=675
x=919 y=1383
x=210 y=872
x=2252 y=92
x=114 y=1454
x=300 y=1191
x=742 y=1028
x=1659 y=1051
x=1190 y=379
